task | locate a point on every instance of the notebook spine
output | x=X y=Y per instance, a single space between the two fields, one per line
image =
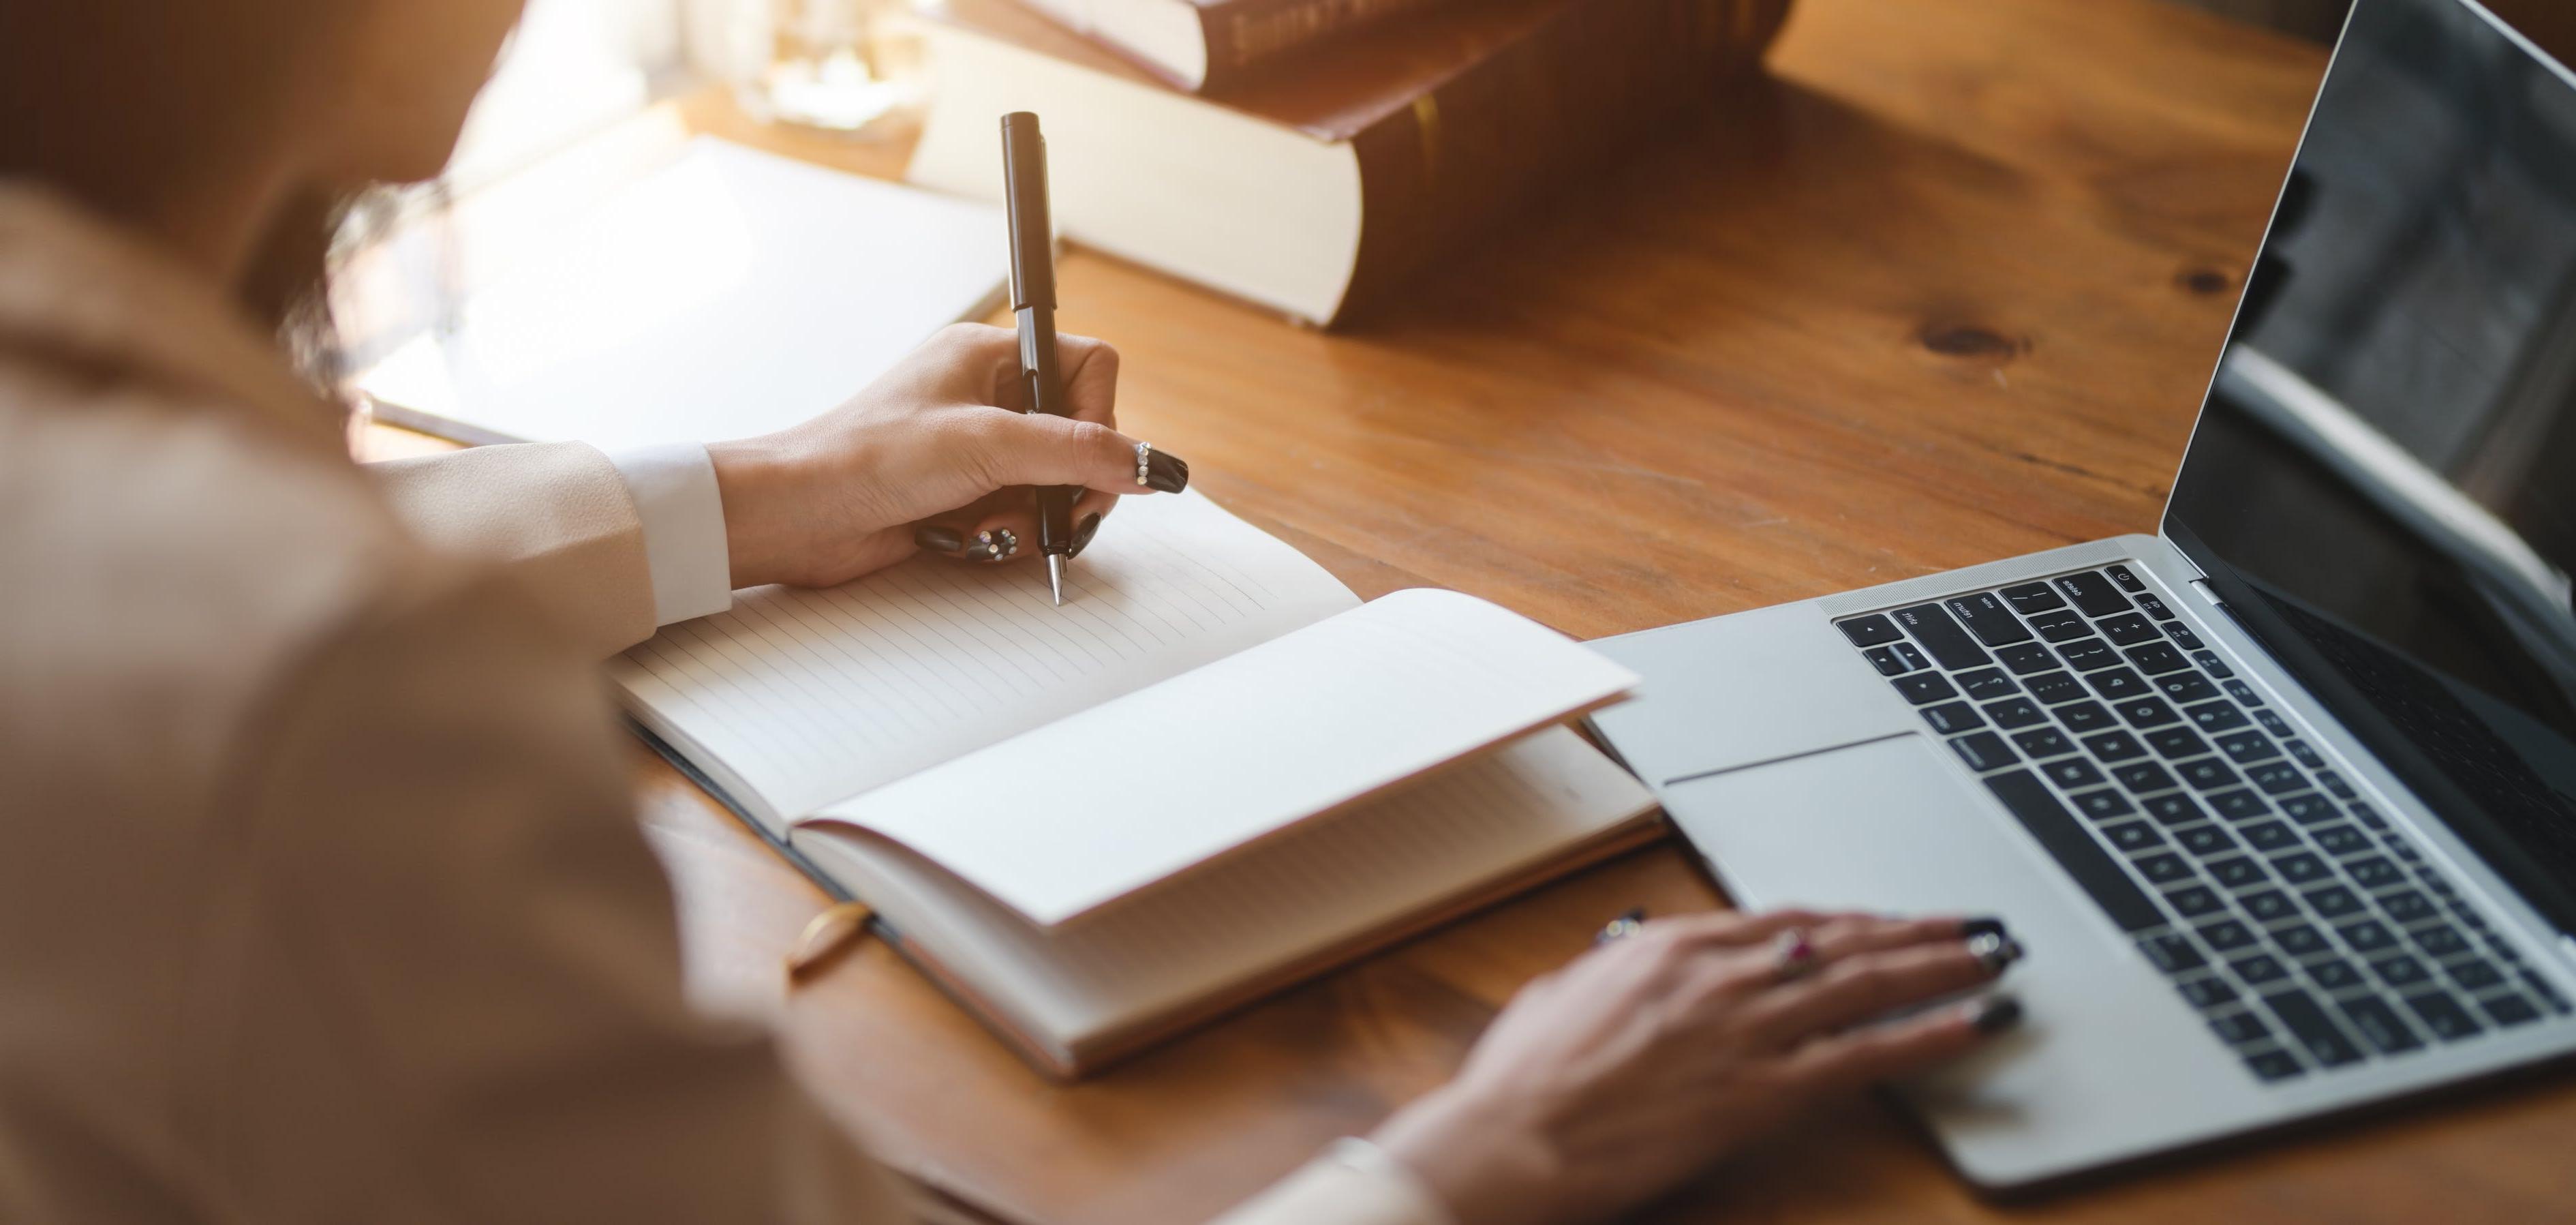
x=1533 y=117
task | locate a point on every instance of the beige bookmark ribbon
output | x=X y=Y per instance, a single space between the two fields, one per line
x=826 y=937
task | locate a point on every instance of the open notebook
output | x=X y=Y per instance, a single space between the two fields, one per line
x=1212 y=772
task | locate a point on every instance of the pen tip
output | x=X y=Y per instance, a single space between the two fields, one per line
x=1055 y=578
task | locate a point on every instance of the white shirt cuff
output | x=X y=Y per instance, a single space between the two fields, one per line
x=675 y=494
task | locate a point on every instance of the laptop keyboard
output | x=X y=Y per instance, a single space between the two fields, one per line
x=2310 y=933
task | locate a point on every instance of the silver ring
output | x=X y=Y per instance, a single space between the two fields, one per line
x=1793 y=955
x=1144 y=453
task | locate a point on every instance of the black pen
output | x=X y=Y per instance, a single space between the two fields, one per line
x=1024 y=179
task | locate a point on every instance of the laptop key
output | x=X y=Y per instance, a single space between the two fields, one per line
x=2301 y=867
x=2015 y=712
x=2307 y=1021
x=2366 y=935
x=2439 y=942
x=2242 y=692
x=2028 y=598
x=2374 y=872
x=2105 y=804
x=2120 y=684
x=2335 y=974
x=2475 y=975
x=1869 y=631
x=2207 y=991
x=2061 y=626
x=2093 y=593
x=2272 y=1065
x=2114 y=746
x=2238 y=873
x=2270 y=836
x=2225 y=935
x=2208 y=774
x=2175 y=809
x=2157 y=658
x=2277 y=777
x=2239 y=805
x=2130 y=629
x=2247 y=746
x=1939 y=632
x=2400 y=970
x=2182 y=636
x=1950 y=717
x=2337 y=840
x=1984 y=683
x=1925 y=687
x=2132 y=836
x=2409 y=906
x=2072 y=773
x=2085 y=655
x=2208 y=660
x=2310 y=809
x=1984 y=751
x=1887 y=661
x=2212 y=716
x=2256 y=969
x=2509 y=1010
x=2172 y=952
x=2030 y=802
x=2025 y=658
x=1985 y=617
x=2143 y=712
x=2205 y=841
x=2176 y=743
x=2443 y=1017
x=2125 y=579
x=2240 y=1028
x=2155 y=608
x=2165 y=868
x=2333 y=901
x=2379 y=1024
x=2081 y=717
x=2187 y=687
x=2193 y=901
x=2055 y=687
x=2339 y=789
x=2302 y=941
x=2043 y=742
x=2143 y=777
x=2268 y=905
x=2301 y=752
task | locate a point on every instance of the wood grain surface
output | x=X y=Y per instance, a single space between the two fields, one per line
x=1945 y=288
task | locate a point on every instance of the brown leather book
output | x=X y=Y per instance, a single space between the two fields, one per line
x=1211 y=45
x=1318 y=191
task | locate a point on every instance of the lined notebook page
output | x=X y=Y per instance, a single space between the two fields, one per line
x=806 y=697
x=1070 y=816
x=1311 y=888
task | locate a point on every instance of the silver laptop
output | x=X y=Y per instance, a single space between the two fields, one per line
x=2282 y=799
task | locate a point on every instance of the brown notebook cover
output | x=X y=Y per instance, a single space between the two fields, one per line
x=1461 y=112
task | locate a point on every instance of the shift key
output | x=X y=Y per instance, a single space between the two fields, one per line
x=1984 y=615
x=1940 y=634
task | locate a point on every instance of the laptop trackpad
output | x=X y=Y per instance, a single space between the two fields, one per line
x=1895 y=826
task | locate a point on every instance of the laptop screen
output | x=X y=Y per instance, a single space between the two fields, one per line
x=2383 y=482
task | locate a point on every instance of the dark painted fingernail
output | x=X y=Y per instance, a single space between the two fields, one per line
x=981 y=552
x=1167 y=473
x=1982 y=926
x=1996 y=953
x=1997 y=1014
x=938 y=539
x=1082 y=535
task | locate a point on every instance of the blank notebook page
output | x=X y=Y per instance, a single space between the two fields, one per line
x=1313 y=887
x=807 y=697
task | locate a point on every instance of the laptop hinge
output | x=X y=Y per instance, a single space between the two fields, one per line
x=2208 y=593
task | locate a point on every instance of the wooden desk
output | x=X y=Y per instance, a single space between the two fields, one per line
x=1946 y=290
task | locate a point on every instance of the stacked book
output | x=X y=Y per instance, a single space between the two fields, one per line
x=1309 y=155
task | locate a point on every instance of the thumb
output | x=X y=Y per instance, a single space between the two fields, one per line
x=1037 y=449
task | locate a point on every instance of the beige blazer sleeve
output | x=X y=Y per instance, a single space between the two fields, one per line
x=556 y=514
x=458 y=991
